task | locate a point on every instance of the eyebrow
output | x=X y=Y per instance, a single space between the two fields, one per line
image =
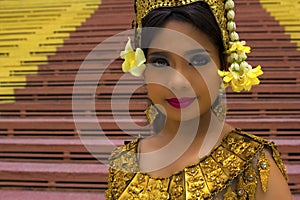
x=189 y=52
x=193 y=51
x=158 y=53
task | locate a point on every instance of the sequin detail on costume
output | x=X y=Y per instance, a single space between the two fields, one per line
x=230 y=195
x=231 y=161
x=250 y=179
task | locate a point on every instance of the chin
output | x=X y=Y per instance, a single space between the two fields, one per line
x=187 y=116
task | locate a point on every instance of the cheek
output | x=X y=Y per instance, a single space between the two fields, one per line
x=155 y=80
x=207 y=82
x=155 y=92
x=154 y=74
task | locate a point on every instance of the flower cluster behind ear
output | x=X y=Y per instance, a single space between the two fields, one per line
x=240 y=75
x=134 y=61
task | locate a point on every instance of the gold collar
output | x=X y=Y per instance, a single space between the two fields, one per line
x=203 y=180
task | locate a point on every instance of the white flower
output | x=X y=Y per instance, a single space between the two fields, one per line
x=234 y=56
x=235 y=66
x=242 y=56
x=229 y=4
x=230 y=14
x=245 y=66
x=234 y=36
x=231 y=26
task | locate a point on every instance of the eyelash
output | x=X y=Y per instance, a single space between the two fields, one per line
x=204 y=59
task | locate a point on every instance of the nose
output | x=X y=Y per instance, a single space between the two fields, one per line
x=177 y=81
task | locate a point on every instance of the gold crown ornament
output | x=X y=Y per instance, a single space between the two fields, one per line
x=143 y=7
x=240 y=75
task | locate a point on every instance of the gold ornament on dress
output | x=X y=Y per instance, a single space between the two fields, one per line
x=250 y=178
x=241 y=189
x=230 y=195
x=205 y=180
x=264 y=171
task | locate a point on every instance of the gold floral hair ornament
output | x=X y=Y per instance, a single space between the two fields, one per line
x=134 y=61
x=240 y=75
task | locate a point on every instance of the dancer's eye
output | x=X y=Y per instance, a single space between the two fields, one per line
x=200 y=60
x=158 y=62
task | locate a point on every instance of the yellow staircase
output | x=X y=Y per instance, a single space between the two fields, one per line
x=288 y=15
x=30 y=31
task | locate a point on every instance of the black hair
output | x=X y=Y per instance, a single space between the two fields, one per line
x=199 y=15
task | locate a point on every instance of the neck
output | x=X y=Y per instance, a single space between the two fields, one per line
x=204 y=131
x=199 y=124
x=195 y=138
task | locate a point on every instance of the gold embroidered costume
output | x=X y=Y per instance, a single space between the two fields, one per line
x=233 y=170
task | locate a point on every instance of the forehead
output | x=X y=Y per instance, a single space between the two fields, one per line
x=180 y=37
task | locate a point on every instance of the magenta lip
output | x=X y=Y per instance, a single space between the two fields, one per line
x=180 y=103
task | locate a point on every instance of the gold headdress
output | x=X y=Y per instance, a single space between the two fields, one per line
x=240 y=75
x=217 y=6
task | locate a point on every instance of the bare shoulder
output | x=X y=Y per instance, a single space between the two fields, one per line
x=277 y=186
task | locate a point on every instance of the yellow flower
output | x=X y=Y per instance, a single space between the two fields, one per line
x=134 y=60
x=241 y=80
x=239 y=47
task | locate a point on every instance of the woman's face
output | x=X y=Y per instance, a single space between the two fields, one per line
x=181 y=73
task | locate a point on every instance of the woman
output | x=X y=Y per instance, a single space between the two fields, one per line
x=194 y=154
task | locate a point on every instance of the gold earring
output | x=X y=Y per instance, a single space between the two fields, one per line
x=151 y=113
x=219 y=109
